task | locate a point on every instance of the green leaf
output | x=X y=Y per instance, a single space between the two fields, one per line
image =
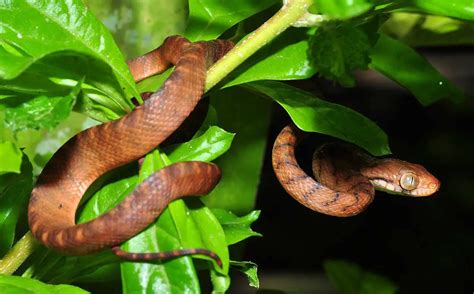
x=56 y=74
x=405 y=66
x=220 y=283
x=174 y=276
x=40 y=112
x=50 y=266
x=107 y=197
x=31 y=84
x=37 y=113
x=341 y=9
x=312 y=114
x=177 y=227
x=13 y=284
x=11 y=158
x=236 y=228
x=429 y=30
x=211 y=232
x=12 y=60
x=463 y=9
x=209 y=19
x=285 y=58
x=207 y=147
x=249 y=269
x=15 y=190
x=243 y=162
x=26 y=25
x=338 y=49
x=350 y=278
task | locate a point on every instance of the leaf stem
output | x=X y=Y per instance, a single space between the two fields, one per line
x=18 y=254
x=285 y=17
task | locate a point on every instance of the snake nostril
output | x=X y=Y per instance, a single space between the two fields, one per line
x=434 y=186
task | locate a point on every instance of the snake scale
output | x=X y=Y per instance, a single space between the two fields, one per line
x=95 y=151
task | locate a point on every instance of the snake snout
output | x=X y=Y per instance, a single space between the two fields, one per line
x=428 y=188
x=435 y=186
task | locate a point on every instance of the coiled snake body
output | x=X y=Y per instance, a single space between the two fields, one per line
x=346 y=177
x=91 y=153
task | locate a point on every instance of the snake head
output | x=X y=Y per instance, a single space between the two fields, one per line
x=405 y=178
x=416 y=181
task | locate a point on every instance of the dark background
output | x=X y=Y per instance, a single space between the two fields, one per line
x=424 y=245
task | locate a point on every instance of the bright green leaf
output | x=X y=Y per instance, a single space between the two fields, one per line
x=338 y=49
x=15 y=190
x=10 y=158
x=220 y=283
x=174 y=276
x=409 y=69
x=236 y=228
x=209 y=19
x=341 y=9
x=12 y=60
x=47 y=76
x=429 y=30
x=107 y=197
x=249 y=269
x=38 y=113
x=315 y=115
x=20 y=285
x=172 y=231
x=463 y=9
x=350 y=278
x=26 y=25
x=53 y=267
x=207 y=147
x=177 y=227
x=211 y=233
x=285 y=58
x=55 y=75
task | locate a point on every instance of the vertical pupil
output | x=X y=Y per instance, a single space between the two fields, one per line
x=409 y=182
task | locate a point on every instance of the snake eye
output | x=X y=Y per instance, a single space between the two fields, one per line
x=409 y=181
